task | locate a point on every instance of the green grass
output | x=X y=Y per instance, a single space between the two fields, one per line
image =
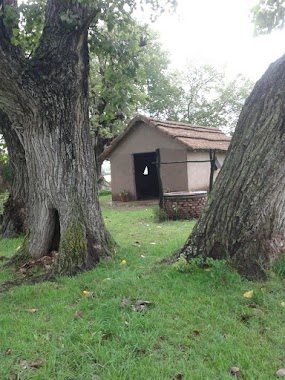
x=198 y=323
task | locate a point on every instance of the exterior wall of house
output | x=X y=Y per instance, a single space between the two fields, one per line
x=199 y=173
x=143 y=139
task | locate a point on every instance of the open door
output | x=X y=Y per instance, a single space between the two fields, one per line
x=146 y=177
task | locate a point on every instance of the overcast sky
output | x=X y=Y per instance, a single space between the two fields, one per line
x=218 y=32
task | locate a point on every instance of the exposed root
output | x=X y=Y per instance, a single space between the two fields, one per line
x=35 y=279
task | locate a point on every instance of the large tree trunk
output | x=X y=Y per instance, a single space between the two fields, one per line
x=244 y=219
x=14 y=208
x=51 y=119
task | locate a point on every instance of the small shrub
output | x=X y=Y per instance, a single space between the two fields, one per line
x=182 y=265
x=219 y=271
x=175 y=207
x=123 y=193
x=159 y=214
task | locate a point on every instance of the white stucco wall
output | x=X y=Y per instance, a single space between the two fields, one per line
x=142 y=139
x=199 y=173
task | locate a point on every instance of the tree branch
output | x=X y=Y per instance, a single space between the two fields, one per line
x=66 y=23
x=11 y=61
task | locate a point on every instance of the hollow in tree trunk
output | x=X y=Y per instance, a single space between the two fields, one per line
x=244 y=219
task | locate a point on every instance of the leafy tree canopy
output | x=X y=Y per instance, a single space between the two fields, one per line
x=27 y=18
x=268 y=15
x=202 y=95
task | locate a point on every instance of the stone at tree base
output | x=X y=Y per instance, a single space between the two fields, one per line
x=280 y=372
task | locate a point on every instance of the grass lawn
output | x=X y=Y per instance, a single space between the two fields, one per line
x=197 y=324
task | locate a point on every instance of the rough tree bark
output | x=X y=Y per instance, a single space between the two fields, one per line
x=244 y=219
x=46 y=100
x=13 y=223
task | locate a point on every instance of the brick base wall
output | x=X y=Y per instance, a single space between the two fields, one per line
x=183 y=206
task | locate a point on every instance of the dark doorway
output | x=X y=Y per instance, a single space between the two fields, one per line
x=146 y=175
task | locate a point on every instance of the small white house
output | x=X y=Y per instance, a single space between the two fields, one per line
x=133 y=156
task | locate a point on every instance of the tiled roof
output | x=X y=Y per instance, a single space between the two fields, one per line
x=191 y=136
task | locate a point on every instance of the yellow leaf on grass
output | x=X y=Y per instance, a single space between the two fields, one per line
x=31 y=310
x=282 y=304
x=248 y=294
x=123 y=262
x=88 y=294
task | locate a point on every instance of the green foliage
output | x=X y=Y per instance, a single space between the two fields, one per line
x=26 y=23
x=193 y=327
x=208 y=98
x=128 y=71
x=159 y=214
x=268 y=15
x=6 y=172
x=4 y=158
x=27 y=19
x=198 y=263
x=105 y=192
x=279 y=266
x=3 y=197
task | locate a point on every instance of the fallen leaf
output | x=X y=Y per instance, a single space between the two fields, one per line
x=88 y=294
x=207 y=270
x=282 y=304
x=31 y=310
x=8 y=351
x=125 y=302
x=248 y=294
x=23 y=271
x=153 y=243
x=13 y=375
x=24 y=364
x=235 y=371
x=140 y=305
x=280 y=372
x=36 y=364
x=107 y=336
x=78 y=314
x=123 y=262
x=136 y=244
x=195 y=332
x=177 y=377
